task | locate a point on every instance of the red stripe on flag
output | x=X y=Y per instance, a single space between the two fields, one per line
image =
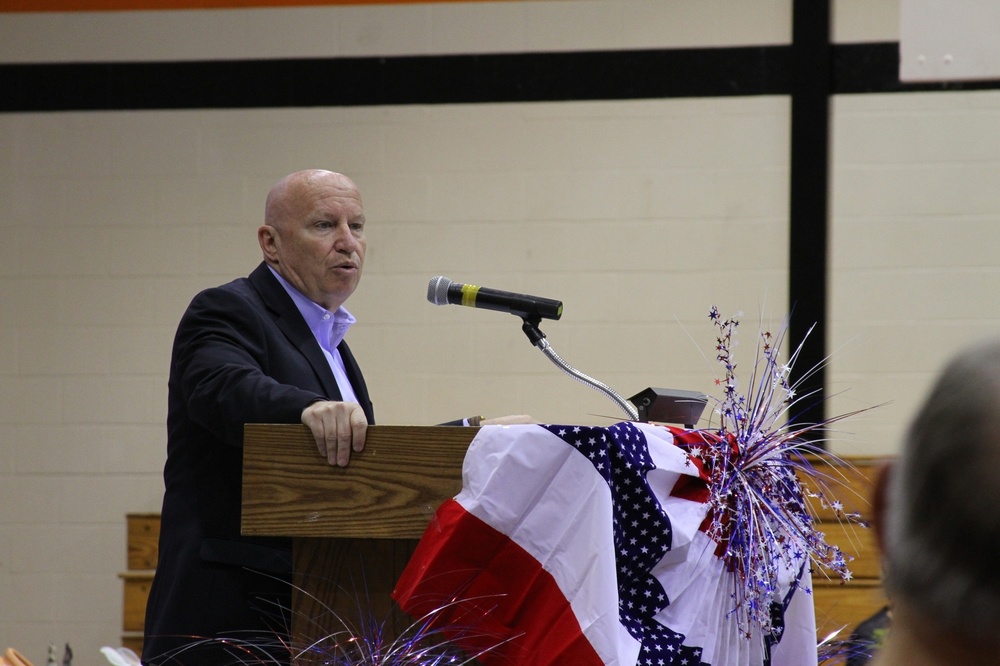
x=691 y=488
x=489 y=594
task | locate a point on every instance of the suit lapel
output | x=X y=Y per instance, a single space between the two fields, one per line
x=357 y=380
x=288 y=319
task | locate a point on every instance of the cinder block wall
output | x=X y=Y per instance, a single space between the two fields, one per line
x=915 y=248
x=639 y=215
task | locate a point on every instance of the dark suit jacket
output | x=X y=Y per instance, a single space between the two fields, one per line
x=242 y=354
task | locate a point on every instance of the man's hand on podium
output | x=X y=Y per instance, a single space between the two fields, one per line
x=338 y=427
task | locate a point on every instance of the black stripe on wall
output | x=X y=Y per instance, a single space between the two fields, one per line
x=528 y=77
x=456 y=79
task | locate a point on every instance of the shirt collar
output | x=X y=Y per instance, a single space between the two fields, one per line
x=328 y=327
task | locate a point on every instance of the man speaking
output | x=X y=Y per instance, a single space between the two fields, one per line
x=267 y=348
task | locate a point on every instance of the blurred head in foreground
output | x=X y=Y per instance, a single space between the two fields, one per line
x=937 y=514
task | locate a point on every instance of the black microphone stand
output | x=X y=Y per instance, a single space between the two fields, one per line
x=537 y=339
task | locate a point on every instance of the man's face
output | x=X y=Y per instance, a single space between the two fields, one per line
x=318 y=242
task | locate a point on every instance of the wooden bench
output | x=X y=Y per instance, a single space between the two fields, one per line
x=143 y=536
x=839 y=607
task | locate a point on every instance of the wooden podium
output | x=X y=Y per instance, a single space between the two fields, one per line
x=353 y=528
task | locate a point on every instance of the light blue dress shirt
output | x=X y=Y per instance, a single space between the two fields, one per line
x=329 y=328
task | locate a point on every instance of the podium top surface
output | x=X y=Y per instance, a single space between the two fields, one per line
x=388 y=491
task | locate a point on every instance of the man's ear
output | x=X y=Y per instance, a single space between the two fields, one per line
x=268 y=238
x=880 y=503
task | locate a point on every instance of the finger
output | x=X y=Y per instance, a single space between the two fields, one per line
x=330 y=438
x=359 y=429
x=321 y=440
x=343 y=440
x=318 y=429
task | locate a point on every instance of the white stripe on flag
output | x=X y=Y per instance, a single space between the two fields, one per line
x=530 y=485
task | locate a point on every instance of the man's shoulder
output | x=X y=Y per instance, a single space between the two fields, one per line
x=234 y=292
x=253 y=288
x=239 y=286
x=237 y=299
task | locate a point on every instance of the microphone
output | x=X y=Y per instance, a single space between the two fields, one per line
x=442 y=291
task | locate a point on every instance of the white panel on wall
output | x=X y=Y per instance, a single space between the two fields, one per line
x=949 y=40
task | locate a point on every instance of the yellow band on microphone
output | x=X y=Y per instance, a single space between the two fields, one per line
x=469 y=293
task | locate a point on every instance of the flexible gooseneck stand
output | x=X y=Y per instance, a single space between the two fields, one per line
x=537 y=338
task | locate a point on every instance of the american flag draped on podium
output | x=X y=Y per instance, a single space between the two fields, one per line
x=579 y=545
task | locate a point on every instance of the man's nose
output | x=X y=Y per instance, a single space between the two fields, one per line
x=345 y=240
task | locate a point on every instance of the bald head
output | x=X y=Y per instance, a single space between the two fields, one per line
x=291 y=193
x=314 y=234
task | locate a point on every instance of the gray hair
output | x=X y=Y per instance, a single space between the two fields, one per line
x=942 y=527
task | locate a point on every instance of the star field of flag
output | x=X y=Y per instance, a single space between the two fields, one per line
x=642 y=536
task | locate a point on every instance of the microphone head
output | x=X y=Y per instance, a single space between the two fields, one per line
x=437 y=290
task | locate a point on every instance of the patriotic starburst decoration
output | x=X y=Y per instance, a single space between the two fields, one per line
x=755 y=462
x=335 y=642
